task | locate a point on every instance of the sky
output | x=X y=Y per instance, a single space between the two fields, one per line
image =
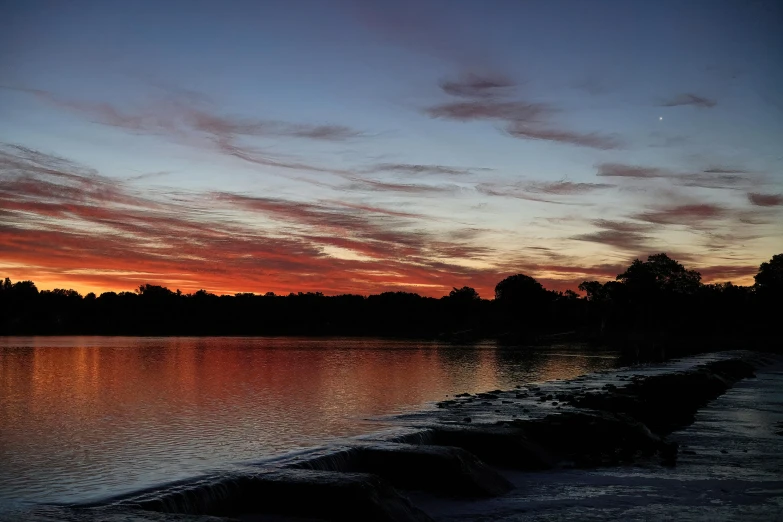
x=356 y=146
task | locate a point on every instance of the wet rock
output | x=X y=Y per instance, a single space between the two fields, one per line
x=501 y=445
x=667 y=402
x=318 y=495
x=467 y=419
x=591 y=439
x=521 y=396
x=442 y=470
x=463 y=395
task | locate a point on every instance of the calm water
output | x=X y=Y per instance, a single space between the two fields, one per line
x=86 y=417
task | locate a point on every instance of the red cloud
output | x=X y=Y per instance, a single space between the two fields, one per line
x=683 y=214
x=765 y=200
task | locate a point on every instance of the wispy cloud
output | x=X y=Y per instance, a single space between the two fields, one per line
x=690 y=99
x=593 y=140
x=712 y=178
x=410 y=168
x=409 y=188
x=565 y=188
x=623 y=235
x=689 y=214
x=538 y=190
x=541 y=191
x=765 y=200
x=619 y=170
x=509 y=111
x=472 y=85
x=487 y=98
x=196 y=121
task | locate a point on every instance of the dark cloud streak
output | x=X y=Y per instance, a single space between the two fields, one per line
x=690 y=99
x=765 y=200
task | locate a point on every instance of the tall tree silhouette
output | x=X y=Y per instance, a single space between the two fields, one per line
x=770 y=276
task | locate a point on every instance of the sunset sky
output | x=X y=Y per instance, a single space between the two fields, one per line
x=364 y=146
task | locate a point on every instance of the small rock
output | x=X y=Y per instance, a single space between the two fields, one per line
x=723 y=451
x=466 y=419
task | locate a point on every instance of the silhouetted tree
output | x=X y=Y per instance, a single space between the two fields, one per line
x=520 y=289
x=594 y=291
x=769 y=278
x=465 y=294
x=660 y=273
x=524 y=303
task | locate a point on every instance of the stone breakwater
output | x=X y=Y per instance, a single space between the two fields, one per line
x=457 y=451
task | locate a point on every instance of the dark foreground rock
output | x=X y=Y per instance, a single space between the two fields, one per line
x=591 y=439
x=668 y=402
x=302 y=493
x=610 y=426
x=503 y=446
x=442 y=470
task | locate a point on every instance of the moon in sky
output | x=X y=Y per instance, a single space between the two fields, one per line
x=660 y=118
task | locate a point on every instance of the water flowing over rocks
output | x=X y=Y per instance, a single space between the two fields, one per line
x=462 y=449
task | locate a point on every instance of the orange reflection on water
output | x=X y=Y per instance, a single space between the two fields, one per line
x=84 y=417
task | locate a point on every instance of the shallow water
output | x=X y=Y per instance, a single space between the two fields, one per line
x=85 y=418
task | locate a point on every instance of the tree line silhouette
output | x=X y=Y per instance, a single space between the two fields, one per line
x=651 y=301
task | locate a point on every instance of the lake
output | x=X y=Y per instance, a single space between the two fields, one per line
x=83 y=418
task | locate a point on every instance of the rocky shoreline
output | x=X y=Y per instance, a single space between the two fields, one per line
x=461 y=450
